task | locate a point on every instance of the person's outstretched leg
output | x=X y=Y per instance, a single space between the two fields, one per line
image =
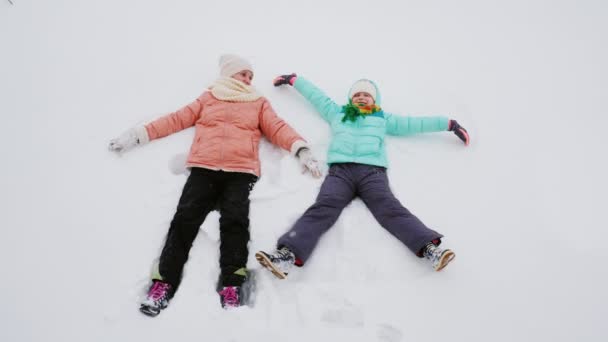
x=234 y=227
x=375 y=192
x=234 y=236
x=197 y=200
x=337 y=192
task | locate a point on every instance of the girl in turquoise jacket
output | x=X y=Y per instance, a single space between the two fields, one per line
x=357 y=160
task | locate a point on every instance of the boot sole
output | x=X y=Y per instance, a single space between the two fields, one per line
x=264 y=261
x=446 y=258
x=148 y=311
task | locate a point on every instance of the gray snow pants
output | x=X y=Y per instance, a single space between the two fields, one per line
x=343 y=183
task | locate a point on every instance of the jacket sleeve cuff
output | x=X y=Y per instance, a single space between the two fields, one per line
x=142 y=135
x=297 y=145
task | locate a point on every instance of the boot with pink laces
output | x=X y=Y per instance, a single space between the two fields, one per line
x=157 y=298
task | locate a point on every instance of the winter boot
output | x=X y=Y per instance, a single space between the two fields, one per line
x=157 y=298
x=439 y=258
x=279 y=263
x=230 y=297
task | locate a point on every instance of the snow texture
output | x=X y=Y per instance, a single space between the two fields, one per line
x=522 y=207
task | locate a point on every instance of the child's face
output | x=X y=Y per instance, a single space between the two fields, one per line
x=363 y=99
x=244 y=76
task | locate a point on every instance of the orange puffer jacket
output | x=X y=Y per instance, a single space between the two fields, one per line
x=227 y=134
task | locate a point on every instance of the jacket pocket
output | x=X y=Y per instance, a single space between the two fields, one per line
x=196 y=143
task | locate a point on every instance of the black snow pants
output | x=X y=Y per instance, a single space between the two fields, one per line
x=206 y=190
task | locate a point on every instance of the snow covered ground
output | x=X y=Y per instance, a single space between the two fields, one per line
x=523 y=207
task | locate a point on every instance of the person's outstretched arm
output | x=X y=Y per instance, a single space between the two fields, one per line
x=281 y=134
x=409 y=125
x=171 y=123
x=322 y=103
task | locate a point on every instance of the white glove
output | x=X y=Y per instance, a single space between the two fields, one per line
x=129 y=139
x=309 y=162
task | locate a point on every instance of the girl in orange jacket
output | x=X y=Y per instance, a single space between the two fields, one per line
x=229 y=119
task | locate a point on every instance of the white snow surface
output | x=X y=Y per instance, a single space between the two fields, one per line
x=523 y=207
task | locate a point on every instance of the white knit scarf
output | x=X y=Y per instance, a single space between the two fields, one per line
x=229 y=89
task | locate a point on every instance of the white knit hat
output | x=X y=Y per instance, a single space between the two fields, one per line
x=365 y=86
x=231 y=64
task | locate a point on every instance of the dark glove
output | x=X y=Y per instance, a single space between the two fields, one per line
x=285 y=79
x=460 y=132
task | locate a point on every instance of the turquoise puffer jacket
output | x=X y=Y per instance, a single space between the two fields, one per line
x=362 y=141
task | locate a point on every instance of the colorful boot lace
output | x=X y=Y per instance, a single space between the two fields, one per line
x=230 y=297
x=157 y=298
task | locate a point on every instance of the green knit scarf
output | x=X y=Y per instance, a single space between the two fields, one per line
x=352 y=112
